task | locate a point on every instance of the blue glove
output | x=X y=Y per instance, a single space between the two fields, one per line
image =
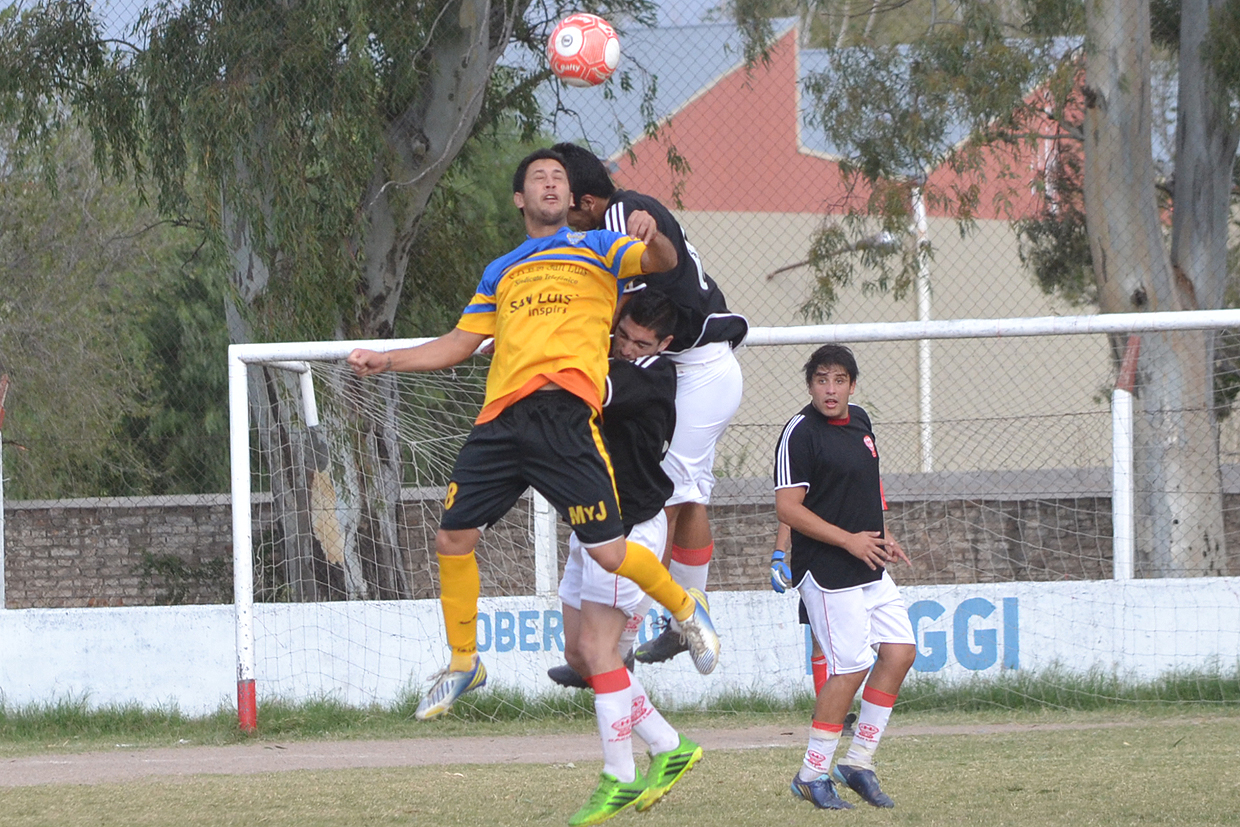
x=781 y=575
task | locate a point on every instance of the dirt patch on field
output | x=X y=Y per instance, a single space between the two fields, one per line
x=124 y=764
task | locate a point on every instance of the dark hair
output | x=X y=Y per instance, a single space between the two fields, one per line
x=652 y=310
x=587 y=174
x=518 y=177
x=831 y=356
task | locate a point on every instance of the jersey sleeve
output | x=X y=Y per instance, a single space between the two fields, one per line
x=793 y=456
x=479 y=315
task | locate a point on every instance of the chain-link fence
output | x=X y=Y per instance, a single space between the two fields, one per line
x=846 y=163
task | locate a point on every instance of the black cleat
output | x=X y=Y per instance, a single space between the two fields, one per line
x=864 y=783
x=666 y=646
x=566 y=675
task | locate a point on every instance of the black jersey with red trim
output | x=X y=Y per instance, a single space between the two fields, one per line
x=704 y=316
x=836 y=461
x=639 y=416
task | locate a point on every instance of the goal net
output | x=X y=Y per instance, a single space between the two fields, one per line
x=999 y=442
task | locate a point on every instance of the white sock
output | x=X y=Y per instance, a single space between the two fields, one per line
x=612 y=708
x=823 y=739
x=648 y=723
x=689 y=568
x=872 y=720
x=628 y=638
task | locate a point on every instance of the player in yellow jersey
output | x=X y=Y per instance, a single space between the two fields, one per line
x=549 y=305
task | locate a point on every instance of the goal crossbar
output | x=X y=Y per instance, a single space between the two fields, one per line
x=293 y=356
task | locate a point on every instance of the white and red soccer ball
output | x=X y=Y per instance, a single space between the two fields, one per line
x=583 y=50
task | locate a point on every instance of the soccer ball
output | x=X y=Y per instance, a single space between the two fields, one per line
x=583 y=50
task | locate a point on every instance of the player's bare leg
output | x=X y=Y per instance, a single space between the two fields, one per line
x=689 y=608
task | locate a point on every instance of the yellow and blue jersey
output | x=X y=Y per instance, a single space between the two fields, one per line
x=549 y=304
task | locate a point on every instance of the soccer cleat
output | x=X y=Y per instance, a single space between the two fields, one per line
x=864 y=783
x=699 y=634
x=820 y=792
x=611 y=797
x=666 y=646
x=850 y=722
x=566 y=675
x=448 y=687
x=666 y=769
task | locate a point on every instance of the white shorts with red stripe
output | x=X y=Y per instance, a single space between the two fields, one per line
x=850 y=623
x=708 y=393
x=584 y=579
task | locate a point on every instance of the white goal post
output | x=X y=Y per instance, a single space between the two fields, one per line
x=320 y=580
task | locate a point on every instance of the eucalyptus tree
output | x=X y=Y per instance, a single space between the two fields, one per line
x=307 y=137
x=1080 y=76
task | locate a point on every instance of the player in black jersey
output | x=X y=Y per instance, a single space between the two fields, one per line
x=709 y=388
x=602 y=610
x=828 y=491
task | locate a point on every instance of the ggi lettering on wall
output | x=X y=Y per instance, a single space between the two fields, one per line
x=976 y=635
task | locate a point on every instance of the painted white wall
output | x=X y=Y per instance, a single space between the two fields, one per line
x=364 y=652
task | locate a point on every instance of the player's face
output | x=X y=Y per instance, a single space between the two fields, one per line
x=546 y=196
x=632 y=341
x=588 y=214
x=829 y=391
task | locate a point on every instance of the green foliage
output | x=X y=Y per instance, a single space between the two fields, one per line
x=183 y=434
x=1221 y=51
x=179 y=581
x=74 y=270
x=897 y=112
x=470 y=220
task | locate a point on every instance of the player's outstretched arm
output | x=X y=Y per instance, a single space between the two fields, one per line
x=660 y=253
x=870 y=547
x=448 y=350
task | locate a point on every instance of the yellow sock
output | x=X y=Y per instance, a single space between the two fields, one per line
x=643 y=568
x=459 y=586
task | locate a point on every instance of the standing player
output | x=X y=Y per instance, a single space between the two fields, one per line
x=709 y=384
x=828 y=491
x=600 y=608
x=549 y=305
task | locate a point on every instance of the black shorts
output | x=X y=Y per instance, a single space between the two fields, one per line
x=550 y=441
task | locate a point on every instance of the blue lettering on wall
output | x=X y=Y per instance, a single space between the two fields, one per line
x=1011 y=633
x=505 y=631
x=553 y=630
x=484 y=632
x=986 y=640
x=932 y=652
x=529 y=631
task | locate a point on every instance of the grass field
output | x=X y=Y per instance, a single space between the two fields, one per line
x=1120 y=766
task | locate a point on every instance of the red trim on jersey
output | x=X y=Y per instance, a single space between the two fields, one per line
x=693 y=556
x=882 y=494
x=833 y=729
x=878 y=697
x=614 y=681
x=843 y=421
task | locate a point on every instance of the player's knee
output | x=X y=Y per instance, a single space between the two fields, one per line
x=575 y=657
x=454 y=543
x=609 y=555
x=898 y=656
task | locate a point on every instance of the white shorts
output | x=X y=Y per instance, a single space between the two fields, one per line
x=708 y=392
x=584 y=579
x=848 y=624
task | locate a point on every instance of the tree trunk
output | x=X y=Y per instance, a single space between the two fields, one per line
x=1179 y=485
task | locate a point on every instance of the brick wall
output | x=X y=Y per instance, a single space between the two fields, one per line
x=157 y=550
